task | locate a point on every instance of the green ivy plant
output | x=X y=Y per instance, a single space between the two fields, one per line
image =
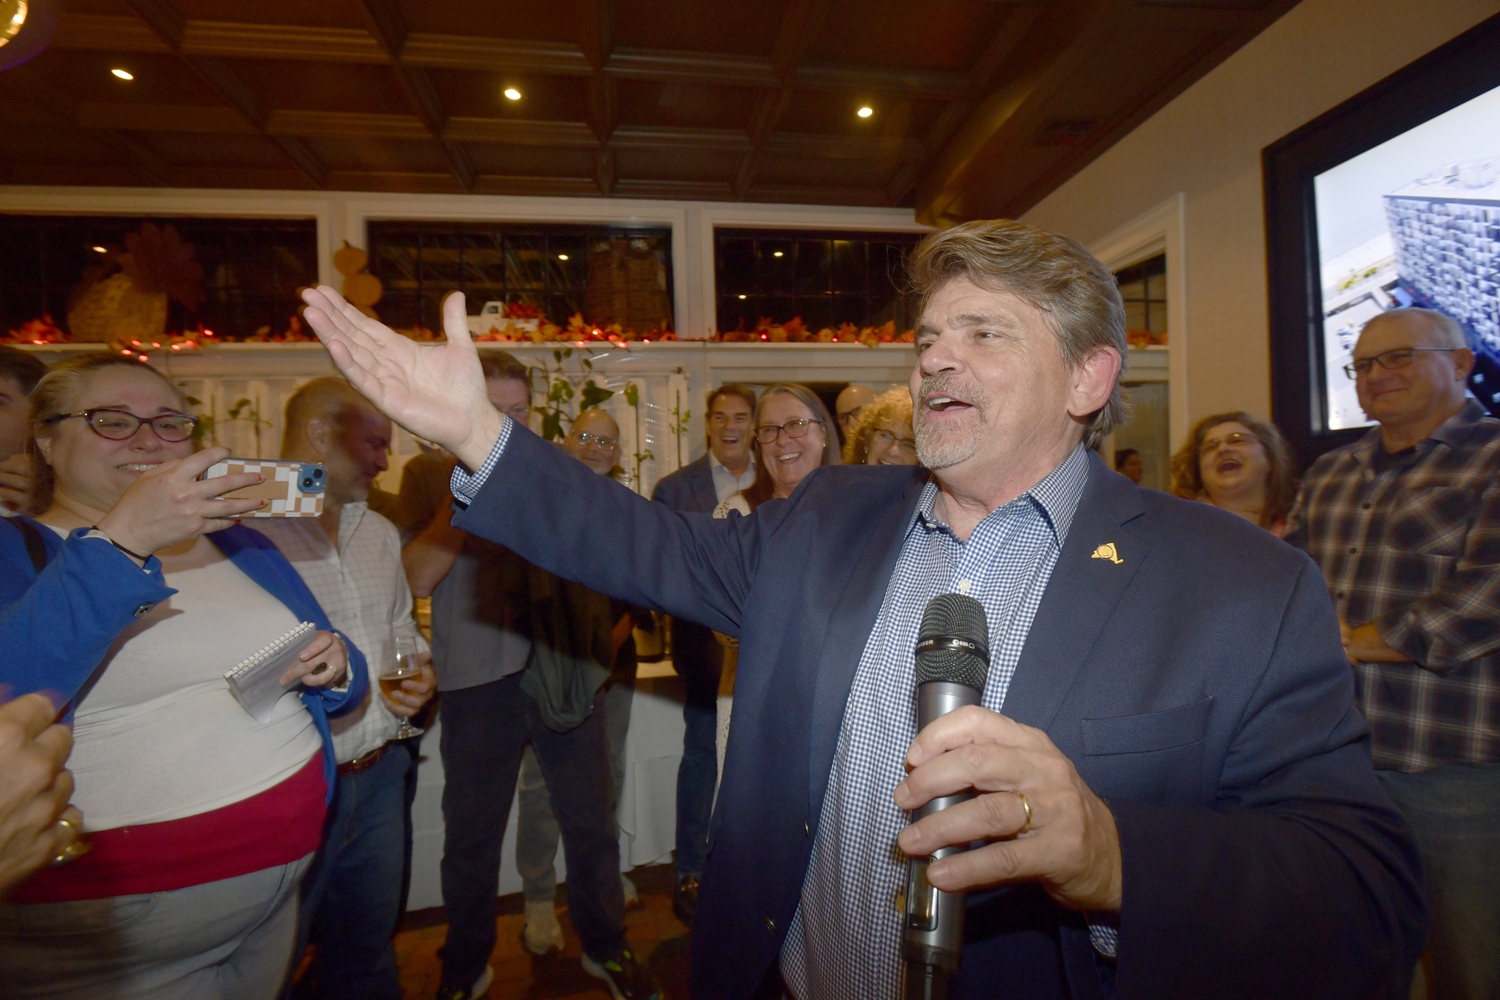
x=243 y=409
x=562 y=390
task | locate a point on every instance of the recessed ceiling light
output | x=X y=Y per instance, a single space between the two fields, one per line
x=512 y=93
x=123 y=74
x=562 y=256
x=742 y=296
x=776 y=253
x=865 y=111
x=100 y=250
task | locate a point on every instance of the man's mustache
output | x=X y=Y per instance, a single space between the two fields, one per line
x=950 y=384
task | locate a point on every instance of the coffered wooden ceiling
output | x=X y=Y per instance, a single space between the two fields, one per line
x=979 y=107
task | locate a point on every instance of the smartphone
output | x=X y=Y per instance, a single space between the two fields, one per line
x=291 y=489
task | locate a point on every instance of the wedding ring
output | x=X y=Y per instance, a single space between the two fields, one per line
x=77 y=848
x=1026 y=805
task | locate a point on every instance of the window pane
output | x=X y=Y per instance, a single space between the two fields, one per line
x=1156 y=287
x=1135 y=315
x=1133 y=291
x=736 y=313
x=811 y=269
x=442 y=262
x=735 y=266
x=816 y=311
x=850 y=309
x=483 y=262
x=524 y=267
x=571 y=274
x=848 y=270
x=776 y=258
x=250 y=267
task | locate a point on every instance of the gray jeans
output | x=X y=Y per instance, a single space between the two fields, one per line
x=1455 y=813
x=536 y=828
x=225 y=940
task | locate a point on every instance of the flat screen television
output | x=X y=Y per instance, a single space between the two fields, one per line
x=1390 y=199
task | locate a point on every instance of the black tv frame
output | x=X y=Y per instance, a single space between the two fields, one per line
x=1446 y=77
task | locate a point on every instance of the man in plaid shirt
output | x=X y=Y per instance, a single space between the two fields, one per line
x=1405 y=524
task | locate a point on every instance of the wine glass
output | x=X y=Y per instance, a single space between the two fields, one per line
x=404 y=667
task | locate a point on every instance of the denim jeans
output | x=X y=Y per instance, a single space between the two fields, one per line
x=225 y=940
x=1455 y=813
x=536 y=830
x=351 y=894
x=697 y=655
x=484 y=730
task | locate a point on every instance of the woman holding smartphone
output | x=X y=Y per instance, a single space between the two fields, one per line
x=125 y=609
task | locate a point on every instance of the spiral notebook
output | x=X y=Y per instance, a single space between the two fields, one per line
x=256 y=681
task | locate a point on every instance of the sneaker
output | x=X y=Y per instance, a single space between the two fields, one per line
x=685 y=899
x=480 y=987
x=543 y=933
x=631 y=893
x=627 y=978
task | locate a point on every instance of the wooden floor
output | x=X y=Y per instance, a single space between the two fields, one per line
x=658 y=937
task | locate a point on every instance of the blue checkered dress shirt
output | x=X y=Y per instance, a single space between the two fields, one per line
x=845 y=941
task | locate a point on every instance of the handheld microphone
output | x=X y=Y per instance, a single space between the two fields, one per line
x=953 y=659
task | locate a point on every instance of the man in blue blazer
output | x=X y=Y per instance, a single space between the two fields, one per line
x=1178 y=799
x=700 y=486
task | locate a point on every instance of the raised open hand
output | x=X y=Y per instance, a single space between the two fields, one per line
x=436 y=391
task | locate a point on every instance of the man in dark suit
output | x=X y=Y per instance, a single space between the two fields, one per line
x=700 y=486
x=1178 y=800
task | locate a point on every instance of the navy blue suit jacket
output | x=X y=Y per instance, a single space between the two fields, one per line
x=1197 y=684
x=689 y=488
x=696 y=654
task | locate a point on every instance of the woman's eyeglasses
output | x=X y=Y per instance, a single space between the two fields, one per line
x=1237 y=437
x=120 y=425
x=766 y=433
x=906 y=446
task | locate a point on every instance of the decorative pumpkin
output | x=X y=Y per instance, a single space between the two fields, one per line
x=361 y=290
x=349 y=260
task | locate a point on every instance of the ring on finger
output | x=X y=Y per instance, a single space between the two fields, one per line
x=76 y=848
x=1026 y=806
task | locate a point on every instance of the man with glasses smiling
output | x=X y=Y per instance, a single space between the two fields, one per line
x=1405 y=524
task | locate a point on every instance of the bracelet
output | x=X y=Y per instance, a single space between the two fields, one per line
x=133 y=555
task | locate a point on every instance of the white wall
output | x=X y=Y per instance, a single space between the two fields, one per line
x=1206 y=147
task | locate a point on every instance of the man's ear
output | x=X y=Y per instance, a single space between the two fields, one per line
x=1463 y=363
x=1093 y=381
x=319 y=432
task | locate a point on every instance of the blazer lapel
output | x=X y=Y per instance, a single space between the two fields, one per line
x=849 y=629
x=703 y=480
x=1085 y=586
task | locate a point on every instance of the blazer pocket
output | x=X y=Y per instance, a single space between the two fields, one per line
x=1172 y=727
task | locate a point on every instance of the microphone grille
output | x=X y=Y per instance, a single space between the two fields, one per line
x=961 y=617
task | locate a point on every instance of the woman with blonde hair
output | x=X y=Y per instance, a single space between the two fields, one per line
x=144 y=592
x=882 y=434
x=1241 y=464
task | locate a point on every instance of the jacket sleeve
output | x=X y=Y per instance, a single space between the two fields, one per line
x=59 y=624
x=552 y=511
x=1233 y=900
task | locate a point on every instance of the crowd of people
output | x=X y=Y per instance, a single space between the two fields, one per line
x=1206 y=764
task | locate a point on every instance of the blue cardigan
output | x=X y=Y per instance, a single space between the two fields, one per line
x=63 y=620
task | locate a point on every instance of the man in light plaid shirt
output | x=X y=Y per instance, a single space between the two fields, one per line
x=1405 y=524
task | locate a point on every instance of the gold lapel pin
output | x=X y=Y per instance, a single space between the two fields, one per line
x=1107 y=551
